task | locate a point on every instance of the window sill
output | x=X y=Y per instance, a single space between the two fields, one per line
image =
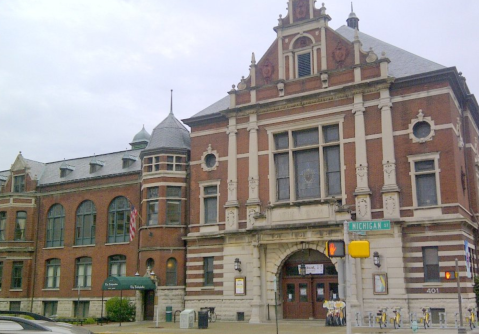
x=433 y=284
x=305 y=202
x=82 y=289
x=51 y=289
x=15 y=290
x=117 y=243
x=77 y=246
x=56 y=247
x=208 y=287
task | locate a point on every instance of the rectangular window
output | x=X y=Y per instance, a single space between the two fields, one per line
x=83 y=272
x=82 y=309
x=15 y=306
x=431 y=264
x=304 y=65
x=52 y=280
x=17 y=271
x=152 y=208
x=315 y=162
x=426 y=192
x=3 y=223
x=290 y=291
x=208 y=271
x=20 y=222
x=50 y=309
x=210 y=198
x=173 y=205
x=303 y=292
x=19 y=183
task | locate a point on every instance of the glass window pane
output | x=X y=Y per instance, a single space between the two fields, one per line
x=282 y=176
x=426 y=190
x=281 y=141
x=304 y=64
x=211 y=212
x=173 y=212
x=290 y=291
x=424 y=165
x=173 y=191
x=307 y=174
x=211 y=190
x=332 y=167
x=303 y=292
x=331 y=133
x=306 y=137
x=319 y=292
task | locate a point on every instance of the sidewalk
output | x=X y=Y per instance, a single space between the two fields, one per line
x=284 y=327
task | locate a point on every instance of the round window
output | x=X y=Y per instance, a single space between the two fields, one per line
x=210 y=160
x=421 y=129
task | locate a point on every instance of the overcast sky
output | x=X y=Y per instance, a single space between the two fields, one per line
x=81 y=77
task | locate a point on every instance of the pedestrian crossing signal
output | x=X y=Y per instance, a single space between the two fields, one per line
x=450 y=275
x=335 y=248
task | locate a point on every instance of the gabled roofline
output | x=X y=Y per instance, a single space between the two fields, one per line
x=202 y=120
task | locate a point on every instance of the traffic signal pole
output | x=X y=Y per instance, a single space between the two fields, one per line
x=461 y=328
x=348 y=279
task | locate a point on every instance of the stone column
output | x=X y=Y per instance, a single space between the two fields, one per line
x=253 y=203
x=232 y=203
x=362 y=192
x=390 y=190
x=256 y=303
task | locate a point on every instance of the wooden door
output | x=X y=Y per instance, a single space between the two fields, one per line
x=149 y=304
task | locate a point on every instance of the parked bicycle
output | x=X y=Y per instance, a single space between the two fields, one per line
x=383 y=317
x=472 y=317
x=397 y=317
x=211 y=313
x=426 y=317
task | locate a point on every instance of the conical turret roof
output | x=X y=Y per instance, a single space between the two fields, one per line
x=170 y=133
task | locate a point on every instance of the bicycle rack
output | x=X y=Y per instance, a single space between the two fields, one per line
x=456 y=320
x=442 y=319
x=358 y=319
x=412 y=317
x=371 y=319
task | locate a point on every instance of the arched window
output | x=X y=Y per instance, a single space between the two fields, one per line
x=83 y=272
x=171 y=271
x=85 y=224
x=52 y=279
x=150 y=263
x=117 y=265
x=119 y=220
x=55 y=226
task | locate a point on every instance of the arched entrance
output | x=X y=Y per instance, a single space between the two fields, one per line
x=303 y=296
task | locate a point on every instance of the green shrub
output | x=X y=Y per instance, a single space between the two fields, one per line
x=89 y=321
x=120 y=310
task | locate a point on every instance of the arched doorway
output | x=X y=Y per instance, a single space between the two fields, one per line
x=303 y=296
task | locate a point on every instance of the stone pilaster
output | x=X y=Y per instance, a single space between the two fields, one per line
x=256 y=303
x=232 y=202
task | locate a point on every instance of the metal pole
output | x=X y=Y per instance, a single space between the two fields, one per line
x=461 y=328
x=78 y=301
x=348 y=279
x=276 y=304
x=157 y=304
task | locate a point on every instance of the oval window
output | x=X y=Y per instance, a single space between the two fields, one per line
x=210 y=160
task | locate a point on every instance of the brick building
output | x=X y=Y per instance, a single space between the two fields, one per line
x=329 y=126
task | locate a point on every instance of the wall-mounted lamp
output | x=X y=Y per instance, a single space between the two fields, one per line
x=137 y=274
x=238 y=265
x=302 y=269
x=153 y=277
x=376 y=260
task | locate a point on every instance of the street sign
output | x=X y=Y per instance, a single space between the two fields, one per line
x=369 y=226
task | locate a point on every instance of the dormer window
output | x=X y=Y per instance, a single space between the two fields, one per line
x=66 y=169
x=128 y=160
x=96 y=165
x=19 y=183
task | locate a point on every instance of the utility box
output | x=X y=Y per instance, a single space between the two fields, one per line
x=203 y=319
x=169 y=313
x=187 y=318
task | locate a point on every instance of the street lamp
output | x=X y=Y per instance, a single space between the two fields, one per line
x=376 y=260
x=238 y=265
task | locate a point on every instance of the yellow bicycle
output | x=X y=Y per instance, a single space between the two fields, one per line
x=426 y=319
x=397 y=317
x=472 y=317
x=383 y=317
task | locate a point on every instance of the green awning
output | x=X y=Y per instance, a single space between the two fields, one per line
x=128 y=283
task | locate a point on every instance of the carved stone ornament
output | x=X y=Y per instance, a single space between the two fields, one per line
x=372 y=57
x=251 y=214
x=361 y=172
x=231 y=217
x=340 y=54
x=280 y=89
x=459 y=133
x=267 y=71
x=325 y=79
x=232 y=187
x=209 y=159
x=253 y=183
x=389 y=205
x=242 y=84
x=301 y=9
x=362 y=207
x=389 y=169
x=421 y=128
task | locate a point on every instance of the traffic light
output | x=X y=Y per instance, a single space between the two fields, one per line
x=335 y=248
x=450 y=275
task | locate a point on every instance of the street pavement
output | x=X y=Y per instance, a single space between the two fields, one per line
x=284 y=327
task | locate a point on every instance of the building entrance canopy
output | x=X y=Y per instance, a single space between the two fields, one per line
x=128 y=283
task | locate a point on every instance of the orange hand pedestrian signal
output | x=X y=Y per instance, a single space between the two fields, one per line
x=450 y=275
x=335 y=248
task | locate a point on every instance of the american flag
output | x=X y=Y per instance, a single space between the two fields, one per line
x=133 y=215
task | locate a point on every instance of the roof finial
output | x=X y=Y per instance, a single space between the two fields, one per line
x=352 y=10
x=171 y=102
